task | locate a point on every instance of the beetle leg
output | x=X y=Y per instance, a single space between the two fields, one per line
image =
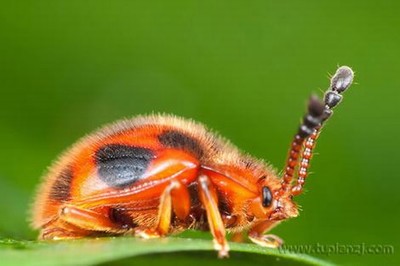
x=209 y=199
x=256 y=234
x=74 y=222
x=57 y=230
x=175 y=197
x=87 y=219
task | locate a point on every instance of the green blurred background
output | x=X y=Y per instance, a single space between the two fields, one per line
x=244 y=68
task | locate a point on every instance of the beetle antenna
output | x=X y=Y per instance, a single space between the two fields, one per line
x=304 y=141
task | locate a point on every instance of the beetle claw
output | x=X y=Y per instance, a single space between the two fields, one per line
x=147 y=233
x=268 y=241
x=223 y=250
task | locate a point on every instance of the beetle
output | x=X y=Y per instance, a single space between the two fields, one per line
x=156 y=175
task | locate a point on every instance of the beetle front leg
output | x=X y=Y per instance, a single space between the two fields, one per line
x=209 y=199
x=175 y=198
x=257 y=235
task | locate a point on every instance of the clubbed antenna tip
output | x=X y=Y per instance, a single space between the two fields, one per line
x=340 y=82
x=342 y=79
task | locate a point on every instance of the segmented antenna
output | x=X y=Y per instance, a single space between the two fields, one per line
x=304 y=141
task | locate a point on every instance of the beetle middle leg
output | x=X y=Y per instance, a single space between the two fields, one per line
x=174 y=199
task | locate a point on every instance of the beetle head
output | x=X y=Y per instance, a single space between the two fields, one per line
x=272 y=203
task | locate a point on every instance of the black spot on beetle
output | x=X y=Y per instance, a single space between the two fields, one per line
x=178 y=140
x=61 y=188
x=224 y=206
x=121 y=217
x=120 y=165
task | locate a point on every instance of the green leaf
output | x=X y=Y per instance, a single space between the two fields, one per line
x=134 y=251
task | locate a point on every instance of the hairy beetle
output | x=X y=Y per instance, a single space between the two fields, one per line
x=151 y=176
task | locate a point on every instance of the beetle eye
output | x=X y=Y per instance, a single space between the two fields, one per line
x=266 y=197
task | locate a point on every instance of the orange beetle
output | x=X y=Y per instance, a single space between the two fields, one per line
x=156 y=175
